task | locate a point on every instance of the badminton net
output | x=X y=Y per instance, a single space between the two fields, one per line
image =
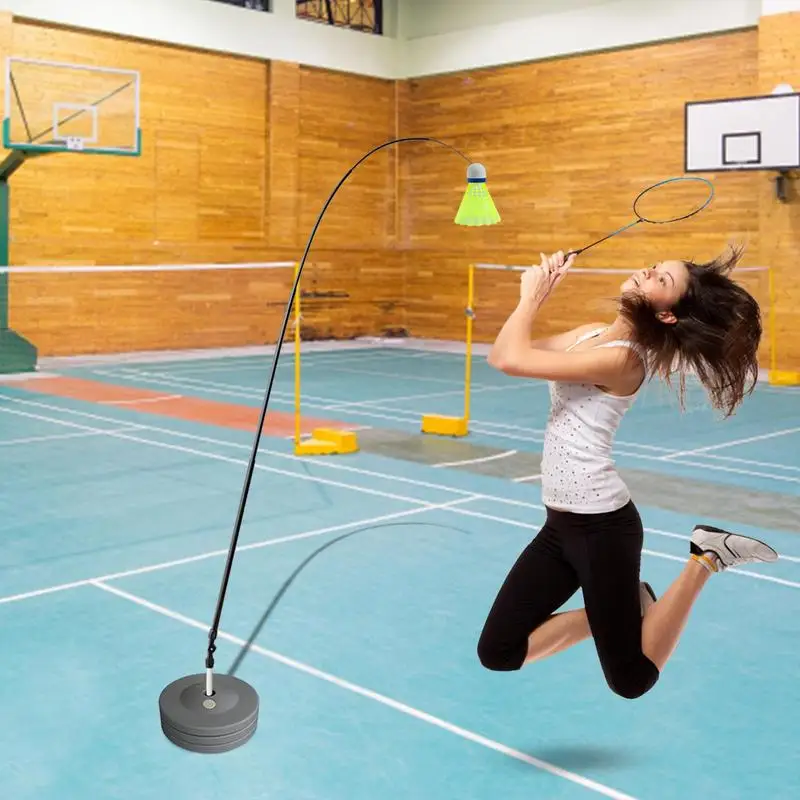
x=491 y=291
x=585 y=295
x=175 y=334
x=121 y=311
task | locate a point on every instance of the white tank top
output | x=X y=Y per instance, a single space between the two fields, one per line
x=578 y=473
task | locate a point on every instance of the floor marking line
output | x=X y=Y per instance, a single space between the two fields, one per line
x=369 y=694
x=655 y=553
x=734 y=442
x=526 y=478
x=57 y=437
x=355 y=488
x=483 y=460
x=343 y=406
x=327 y=464
x=179 y=562
x=237 y=461
x=140 y=401
x=771 y=464
x=479 y=426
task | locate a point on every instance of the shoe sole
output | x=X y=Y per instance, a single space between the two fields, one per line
x=764 y=553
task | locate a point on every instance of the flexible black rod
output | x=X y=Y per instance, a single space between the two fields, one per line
x=213 y=633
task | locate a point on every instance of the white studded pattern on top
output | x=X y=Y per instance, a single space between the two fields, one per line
x=578 y=472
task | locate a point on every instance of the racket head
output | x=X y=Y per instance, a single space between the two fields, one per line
x=679 y=198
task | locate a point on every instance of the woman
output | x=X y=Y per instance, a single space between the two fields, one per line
x=674 y=317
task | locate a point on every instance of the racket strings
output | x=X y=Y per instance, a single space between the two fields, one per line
x=667 y=201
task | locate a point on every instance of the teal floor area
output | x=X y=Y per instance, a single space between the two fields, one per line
x=360 y=589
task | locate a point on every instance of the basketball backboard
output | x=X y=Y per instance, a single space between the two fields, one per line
x=748 y=133
x=50 y=106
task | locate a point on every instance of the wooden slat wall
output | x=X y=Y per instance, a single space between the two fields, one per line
x=342 y=117
x=779 y=62
x=238 y=157
x=568 y=144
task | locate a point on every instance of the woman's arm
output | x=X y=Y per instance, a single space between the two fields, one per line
x=536 y=284
x=512 y=353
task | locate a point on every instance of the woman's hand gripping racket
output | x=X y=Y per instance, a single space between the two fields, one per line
x=537 y=283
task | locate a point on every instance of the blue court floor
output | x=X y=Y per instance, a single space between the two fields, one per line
x=362 y=583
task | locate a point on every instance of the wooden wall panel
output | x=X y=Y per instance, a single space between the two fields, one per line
x=779 y=223
x=84 y=313
x=342 y=117
x=284 y=167
x=568 y=144
x=216 y=100
x=238 y=157
x=177 y=182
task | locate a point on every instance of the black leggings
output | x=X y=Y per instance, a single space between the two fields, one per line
x=601 y=554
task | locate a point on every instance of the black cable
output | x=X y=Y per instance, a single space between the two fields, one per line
x=213 y=633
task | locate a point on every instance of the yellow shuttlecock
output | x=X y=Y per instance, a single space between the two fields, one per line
x=477 y=207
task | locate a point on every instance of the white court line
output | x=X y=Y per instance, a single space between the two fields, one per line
x=721 y=468
x=58 y=437
x=166 y=376
x=483 y=460
x=325 y=464
x=369 y=694
x=655 y=553
x=733 y=443
x=179 y=562
x=213 y=387
x=427 y=395
x=479 y=426
x=527 y=478
x=278 y=396
x=219 y=457
x=365 y=490
x=772 y=464
x=395 y=375
x=620 y=451
x=308 y=359
x=139 y=401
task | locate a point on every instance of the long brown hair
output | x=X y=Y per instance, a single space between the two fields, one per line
x=716 y=336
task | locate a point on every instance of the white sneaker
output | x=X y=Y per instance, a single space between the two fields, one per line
x=730 y=549
x=646 y=596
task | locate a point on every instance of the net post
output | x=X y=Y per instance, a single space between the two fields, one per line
x=773 y=344
x=470 y=314
x=297 y=339
x=440 y=425
x=777 y=377
x=323 y=441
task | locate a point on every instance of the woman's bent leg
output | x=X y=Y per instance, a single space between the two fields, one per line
x=522 y=625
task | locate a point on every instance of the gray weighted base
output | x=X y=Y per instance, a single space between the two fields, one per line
x=203 y=724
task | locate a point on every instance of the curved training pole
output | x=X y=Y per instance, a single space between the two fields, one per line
x=214 y=631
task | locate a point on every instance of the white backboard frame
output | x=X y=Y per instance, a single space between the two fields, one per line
x=58 y=141
x=743 y=133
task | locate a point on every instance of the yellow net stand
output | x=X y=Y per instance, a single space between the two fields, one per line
x=757 y=280
x=437 y=424
x=323 y=441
